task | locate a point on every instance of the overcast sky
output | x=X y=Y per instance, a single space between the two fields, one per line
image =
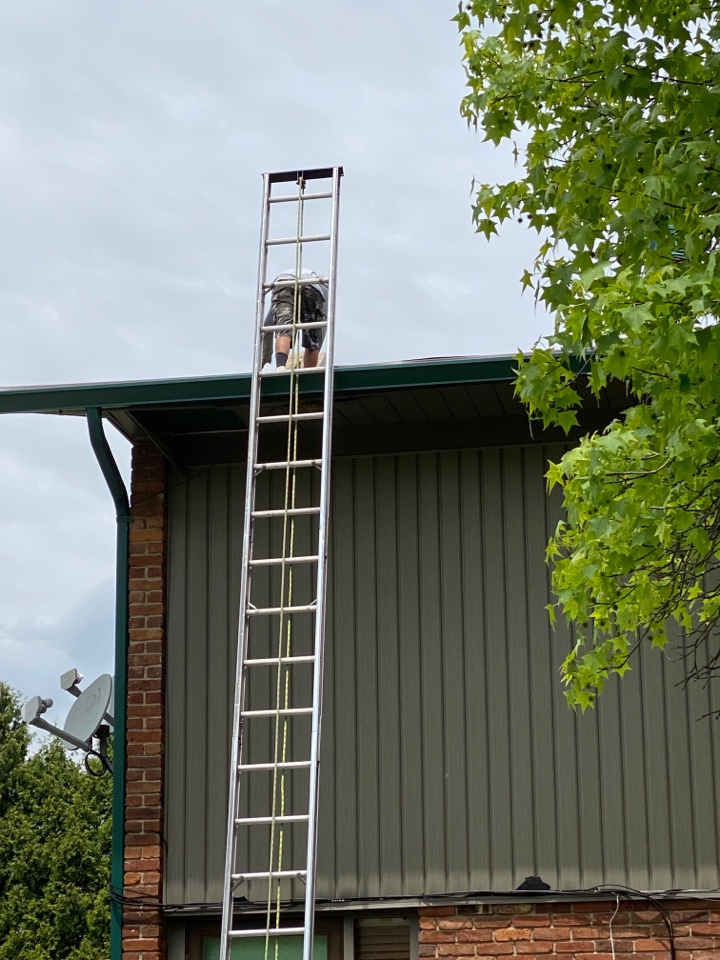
x=133 y=136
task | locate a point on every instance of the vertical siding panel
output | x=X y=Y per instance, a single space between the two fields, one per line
x=175 y=713
x=703 y=758
x=680 y=813
x=564 y=750
x=432 y=730
x=343 y=774
x=518 y=677
x=196 y=691
x=388 y=680
x=655 y=753
x=366 y=695
x=590 y=848
x=474 y=675
x=497 y=731
x=453 y=689
x=541 y=655
x=635 y=794
x=219 y=708
x=412 y=779
x=612 y=784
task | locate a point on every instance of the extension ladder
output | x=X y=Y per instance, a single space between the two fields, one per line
x=281 y=637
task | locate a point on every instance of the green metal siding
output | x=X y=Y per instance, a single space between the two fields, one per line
x=449 y=759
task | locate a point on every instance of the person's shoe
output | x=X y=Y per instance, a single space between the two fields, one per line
x=282 y=369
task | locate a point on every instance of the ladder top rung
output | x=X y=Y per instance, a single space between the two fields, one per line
x=283 y=818
x=279 y=661
x=282 y=712
x=267 y=874
x=285 y=464
x=310 y=238
x=279 y=561
x=280 y=765
x=286 y=417
x=297 y=282
x=289 y=197
x=271 y=932
x=290 y=512
x=294 y=176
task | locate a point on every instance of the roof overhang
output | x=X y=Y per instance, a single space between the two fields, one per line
x=383 y=408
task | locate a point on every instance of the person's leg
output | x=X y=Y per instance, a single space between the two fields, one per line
x=310 y=357
x=312 y=340
x=282 y=349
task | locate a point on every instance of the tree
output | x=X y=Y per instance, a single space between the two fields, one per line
x=613 y=107
x=55 y=831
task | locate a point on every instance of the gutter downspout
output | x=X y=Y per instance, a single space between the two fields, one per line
x=118 y=492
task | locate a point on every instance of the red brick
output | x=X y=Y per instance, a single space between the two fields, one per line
x=438 y=936
x=456 y=950
x=711 y=929
x=474 y=936
x=647 y=946
x=511 y=933
x=522 y=947
x=551 y=933
x=533 y=921
x=454 y=924
x=495 y=949
x=694 y=943
x=426 y=950
x=590 y=933
x=436 y=911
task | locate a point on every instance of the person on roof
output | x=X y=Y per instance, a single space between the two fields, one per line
x=295 y=303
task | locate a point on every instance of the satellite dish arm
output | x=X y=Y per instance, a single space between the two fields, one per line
x=57 y=732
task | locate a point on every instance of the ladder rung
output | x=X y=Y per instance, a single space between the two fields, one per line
x=272 y=932
x=303 y=196
x=270 y=874
x=287 y=464
x=267 y=611
x=282 y=712
x=280 y=765
x=290 y=512
x=279 y=561
x=308 y=325
x=286 y=417
x=278 y=661
x=311 y=238
x=295 y=282
x=284 y=818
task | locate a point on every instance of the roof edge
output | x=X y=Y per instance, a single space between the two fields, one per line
x=76 y=398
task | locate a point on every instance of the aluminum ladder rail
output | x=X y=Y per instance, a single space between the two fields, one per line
x=247 y=667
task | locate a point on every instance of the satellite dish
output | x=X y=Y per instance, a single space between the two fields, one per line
x=88 y=711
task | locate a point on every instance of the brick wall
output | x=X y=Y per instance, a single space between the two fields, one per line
x=579 y=931
x=143 y=930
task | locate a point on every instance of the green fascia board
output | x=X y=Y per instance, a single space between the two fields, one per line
x=76 y=398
